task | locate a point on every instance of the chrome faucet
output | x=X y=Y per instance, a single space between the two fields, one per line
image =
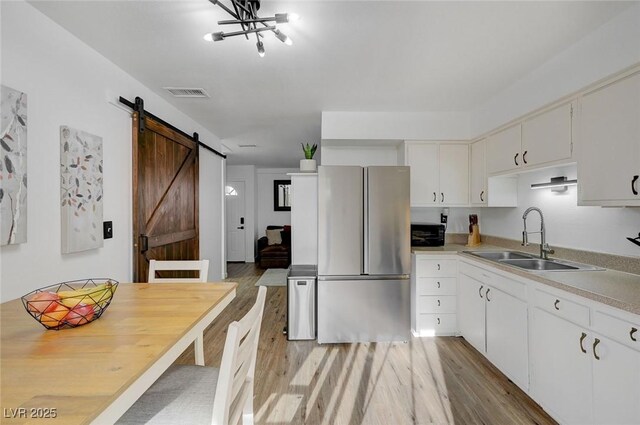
x=544 y=246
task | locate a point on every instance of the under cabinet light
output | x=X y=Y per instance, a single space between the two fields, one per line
x=557 y=184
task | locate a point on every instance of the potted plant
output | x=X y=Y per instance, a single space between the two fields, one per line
x=308 y=164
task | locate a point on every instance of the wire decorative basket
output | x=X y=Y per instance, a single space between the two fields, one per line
x=70 y=304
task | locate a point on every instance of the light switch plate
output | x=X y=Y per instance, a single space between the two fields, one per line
x=107 y=229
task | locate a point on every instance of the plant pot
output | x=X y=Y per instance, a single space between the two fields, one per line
x=308 y=165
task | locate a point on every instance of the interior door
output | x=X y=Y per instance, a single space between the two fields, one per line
x=235 y=209
x=165 y=196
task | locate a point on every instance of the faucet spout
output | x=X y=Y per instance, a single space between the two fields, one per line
x=544 y=247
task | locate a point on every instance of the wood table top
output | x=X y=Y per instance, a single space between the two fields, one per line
x=79 y=372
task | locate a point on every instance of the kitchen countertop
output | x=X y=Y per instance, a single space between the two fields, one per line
x=616 y=289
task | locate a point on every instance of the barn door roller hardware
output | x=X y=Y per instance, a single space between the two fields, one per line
x=138 y=106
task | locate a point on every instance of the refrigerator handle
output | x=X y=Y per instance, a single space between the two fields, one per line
x=365 y=221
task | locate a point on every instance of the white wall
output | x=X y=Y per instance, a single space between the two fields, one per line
x=66 y=83
x=212 y=237
x=396 y=125
x=247 y=174
x=266 y=215
x=567 y=225
x=360 y=155
x=609 y=49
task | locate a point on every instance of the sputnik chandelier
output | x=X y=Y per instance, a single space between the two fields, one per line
x=245 y=14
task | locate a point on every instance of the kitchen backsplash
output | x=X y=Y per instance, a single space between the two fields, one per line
x=567 y=225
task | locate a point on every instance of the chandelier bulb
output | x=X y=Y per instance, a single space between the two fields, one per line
x=260 y=48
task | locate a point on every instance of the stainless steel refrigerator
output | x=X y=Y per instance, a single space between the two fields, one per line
x=364 y=254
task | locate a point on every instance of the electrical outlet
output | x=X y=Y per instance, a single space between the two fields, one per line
x=443 y=218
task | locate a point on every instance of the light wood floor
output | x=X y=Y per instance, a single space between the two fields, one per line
x=425 y=381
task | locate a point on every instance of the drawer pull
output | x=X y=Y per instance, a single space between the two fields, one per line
x=438 y=285
x=438 y=303
x=480 y=291
x=438 y=266
x=555 y=304
x=595 y=344
x=438 y=320
x=582 y=337
x=487 y=294
x=633 y=331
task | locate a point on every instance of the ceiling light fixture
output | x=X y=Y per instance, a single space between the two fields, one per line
x=557 y=184
x=245 y=14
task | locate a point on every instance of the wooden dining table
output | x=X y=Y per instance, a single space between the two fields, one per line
x=92 y=374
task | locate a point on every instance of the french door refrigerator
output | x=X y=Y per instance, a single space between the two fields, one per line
x=364 y=254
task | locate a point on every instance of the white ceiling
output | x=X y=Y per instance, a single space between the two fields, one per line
x=389 y=56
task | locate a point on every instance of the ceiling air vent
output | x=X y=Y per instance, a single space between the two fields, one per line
x=186 y=92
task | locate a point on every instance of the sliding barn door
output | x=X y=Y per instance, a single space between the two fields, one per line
x=165 y=196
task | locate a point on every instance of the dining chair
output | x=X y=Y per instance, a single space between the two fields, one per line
x=196 y=395
x=202 y=267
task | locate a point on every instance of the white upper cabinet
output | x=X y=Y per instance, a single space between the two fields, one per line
x=608 y=146
x=425 y=186
x=454 y=174
x=439 y=173
x=503 y=150
x=548 y=137
x=543 y=139
x=478 y=182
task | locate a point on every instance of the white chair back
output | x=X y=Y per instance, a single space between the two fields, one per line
x=201 y=266
x=234 y=390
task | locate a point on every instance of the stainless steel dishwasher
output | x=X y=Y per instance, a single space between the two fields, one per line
x=301 y=302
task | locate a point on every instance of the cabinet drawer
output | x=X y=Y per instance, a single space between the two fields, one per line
x=511 y=287
x=436 y=324
x=562 y=307
x=436 y=286
x=436 y=268
x=435 y=304
x=617 y=329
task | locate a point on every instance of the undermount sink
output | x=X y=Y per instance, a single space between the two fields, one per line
x=539 y=264
x=532 y=263
x=500 y=255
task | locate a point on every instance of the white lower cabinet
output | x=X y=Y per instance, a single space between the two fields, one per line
x=471 y=311
x=507 y=347
x=581 y=376
x=616 y=383
x=560 y=368
x=433 y=294
x=494 y=322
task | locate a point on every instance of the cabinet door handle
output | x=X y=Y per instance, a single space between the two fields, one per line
x=524 y=157
x=633 y=184
x=481 y=196
x=438 y=285
x=595 y=344
x=442 y=196
x=438 y=320
x=434 y=197
x=438 y=266
x=515 y=159
x=438 y=303
x=633 y=331
x=480 y=291
x=487 y=294
x=555 y=304
x=582 y=337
